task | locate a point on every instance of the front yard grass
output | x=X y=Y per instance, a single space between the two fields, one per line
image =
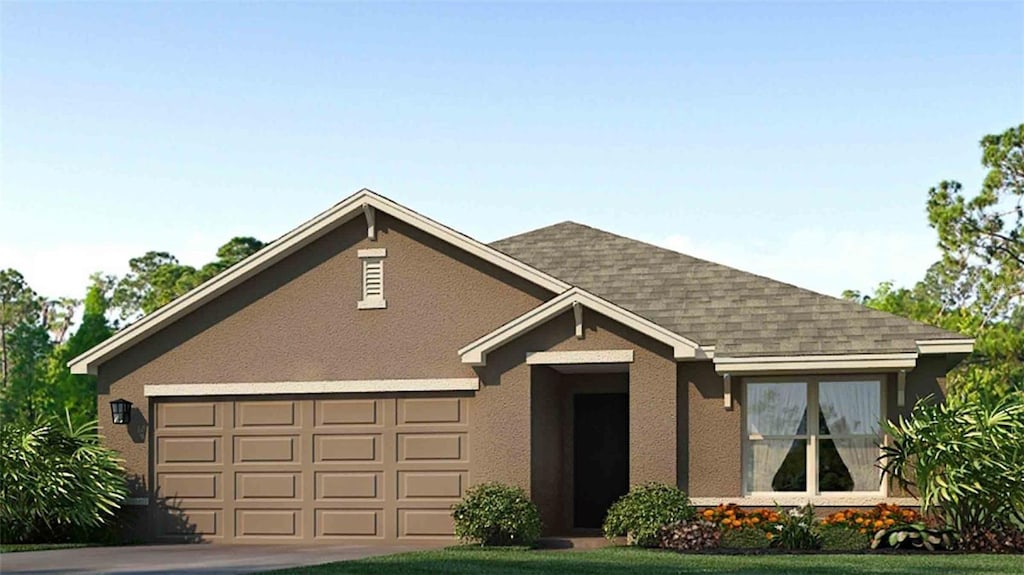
x=652 y=562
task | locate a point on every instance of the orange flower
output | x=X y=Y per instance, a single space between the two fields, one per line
x=862 y=530
x=879 y=524
x=768 y=536
x=726 y=521
x=708 y=513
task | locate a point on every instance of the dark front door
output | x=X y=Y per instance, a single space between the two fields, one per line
x=601 y=455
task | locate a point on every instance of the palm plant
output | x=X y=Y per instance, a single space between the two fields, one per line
x=963 y=459
x=56 y=478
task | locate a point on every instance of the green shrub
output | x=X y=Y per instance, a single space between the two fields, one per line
x=914 y=536
x=642 y=512
x=745 y=538
x=56 y=481
x=697 y=535
x=963 y=459
x=842 y=538
x=496 y=514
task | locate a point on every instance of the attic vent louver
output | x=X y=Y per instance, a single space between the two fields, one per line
x=373 y=278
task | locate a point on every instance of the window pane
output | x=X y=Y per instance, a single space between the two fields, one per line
x=850 y=407
x=777 y=465
x=776 y=408
x=848 y=465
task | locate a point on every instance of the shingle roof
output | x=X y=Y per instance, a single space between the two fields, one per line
x=740 y=313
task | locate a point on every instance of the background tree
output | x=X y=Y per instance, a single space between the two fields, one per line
x=19 y=304
x=157 y=278
x=981 y=237
x=77 y=393
x=978 y=285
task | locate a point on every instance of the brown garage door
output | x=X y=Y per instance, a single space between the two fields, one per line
x=282 y=469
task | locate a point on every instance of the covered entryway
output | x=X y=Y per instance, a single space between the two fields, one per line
x=580 y=448
x=282 y=469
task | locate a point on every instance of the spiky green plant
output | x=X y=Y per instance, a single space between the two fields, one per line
x=56 y=478
x=964 y=460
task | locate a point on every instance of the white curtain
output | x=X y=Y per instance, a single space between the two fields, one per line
x=854 y=408
x=773 y=409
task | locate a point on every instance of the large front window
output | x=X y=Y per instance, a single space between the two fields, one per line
x=812 y=435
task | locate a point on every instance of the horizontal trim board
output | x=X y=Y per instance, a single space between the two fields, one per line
x=310 y=387
x=577 y=357
x=838 y=500
x=764 y=365
x=373 y=253
x=939 y=346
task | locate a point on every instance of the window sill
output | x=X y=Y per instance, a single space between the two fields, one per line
x=372 y=304
x=788 y=500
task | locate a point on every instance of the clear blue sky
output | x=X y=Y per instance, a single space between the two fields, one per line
x=796 y=140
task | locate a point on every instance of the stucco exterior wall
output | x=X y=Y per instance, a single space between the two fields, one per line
x=713 y=434
x=298 y=321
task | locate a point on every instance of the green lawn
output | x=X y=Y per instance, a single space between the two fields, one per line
x=16 y=547
x=649 y=562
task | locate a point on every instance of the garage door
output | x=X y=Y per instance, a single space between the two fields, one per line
x=299 y=469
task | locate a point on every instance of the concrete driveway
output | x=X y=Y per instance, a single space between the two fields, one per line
x=185 y=559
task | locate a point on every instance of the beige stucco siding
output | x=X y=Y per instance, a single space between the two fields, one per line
x=713 y=439
x=297 y=321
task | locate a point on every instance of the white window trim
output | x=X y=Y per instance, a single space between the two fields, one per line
x=811 y=495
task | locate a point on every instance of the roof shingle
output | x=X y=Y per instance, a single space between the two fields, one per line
x=740 y=313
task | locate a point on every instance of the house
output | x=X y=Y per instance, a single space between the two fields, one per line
x=350 y=381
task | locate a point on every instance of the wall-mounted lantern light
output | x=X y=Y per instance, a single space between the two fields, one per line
x=121 y=410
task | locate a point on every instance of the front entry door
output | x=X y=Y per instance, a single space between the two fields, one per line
x=601 y=455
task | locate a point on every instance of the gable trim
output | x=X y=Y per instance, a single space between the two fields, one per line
x=476 y=352
x=342 y=212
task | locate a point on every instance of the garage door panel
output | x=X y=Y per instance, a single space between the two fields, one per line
x=188 y=450
x=347 y=448
x=262 y=414
x=425 y=523
x=191 y=486
x=431 y=484
x=347 y=523
x=431 y=410
x=431 y=447
x=348 y=412
x=267 y=449
x=268 y=485
x=332 y=485
x=268 y=522
x=188 y=415
x=190 y=523
x=280 y=469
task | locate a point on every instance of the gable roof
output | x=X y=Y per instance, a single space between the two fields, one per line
x=739 y=313
x=475 y=353
x=346 y=210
